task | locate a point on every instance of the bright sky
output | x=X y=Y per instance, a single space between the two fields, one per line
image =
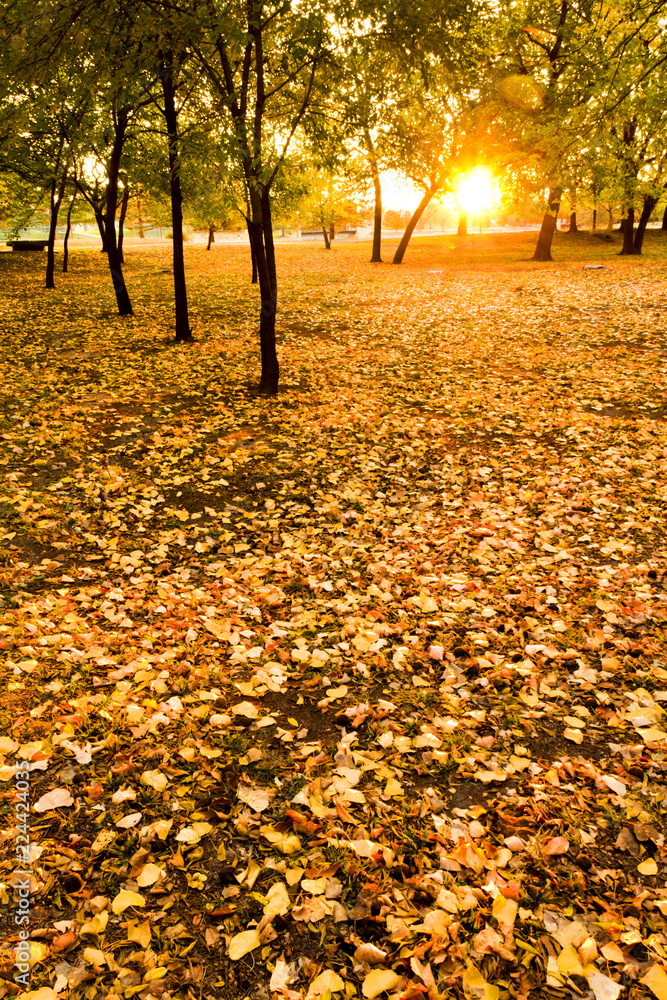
x=476 y=191
x=398 y=193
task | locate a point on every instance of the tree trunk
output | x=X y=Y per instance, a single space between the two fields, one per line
x=573 y=223
x=595 y=219
x=409 y=229
x=376 y=255
x=463 y=223
x=119 y=286
x=629 y=234
x=261 y=237
x=57 y=193
x=121 y=222
x=211 y=237
x=664 y=219
x=99 y=219
x=67 y=232
x=548 y=228
x=183 y=332
x=253 y=259
x=610 y=224
x=327 y=241
x=647 y=209
x=332 y=230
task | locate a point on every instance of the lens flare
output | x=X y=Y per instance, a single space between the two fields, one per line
x=476 y=191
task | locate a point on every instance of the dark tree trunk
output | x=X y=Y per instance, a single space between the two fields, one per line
x=183 y=332
x=376 y=255
x=253 y=258
x=99 y=219
x=548 y=228
x=211 y=237
x=629 y=234
x=647 y=210
x=622 y=225
x=121 y=222
x=327 y=241
x=115 y=267
x=261 y=238
x=57 y=193
x=595 y=219
x=463 y=224
x=410 y=228
x=664 y=219
x=67 y=232
x=573 y=223
x=332 y=231
x=610 y=224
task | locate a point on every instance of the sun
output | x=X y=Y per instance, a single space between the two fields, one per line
x=476 y=191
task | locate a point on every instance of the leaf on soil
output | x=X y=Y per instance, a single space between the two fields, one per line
x=57 y=798
x=243 y=943
x=555 y=846
x=378 y=981
x=656 y=980
x=125 y=898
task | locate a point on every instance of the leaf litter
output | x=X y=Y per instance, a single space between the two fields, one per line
x=358 y=691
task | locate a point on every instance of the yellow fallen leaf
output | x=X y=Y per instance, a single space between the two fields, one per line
x=504 y=910
x=96 y=925
x=393 y=788
x=127 y=898
x=149 y=875
x=287 y=843
x=378 y=981
x=573 y=735
x=652 y=734
x=568 y=962
x=292 y=875
x=162 y=828
x=38 y=952
x=102 y=840
x=155 y=780
x=243 y=943
x=158 y=973
x=612 y=952
x=487 y=776
x=93 y=956
x=141 y=933
x=647 y=867
x=475 y=984
x=327 y=981
x=656 y=980
x=278 y=901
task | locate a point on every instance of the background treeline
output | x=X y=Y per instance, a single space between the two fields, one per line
x=267 y=115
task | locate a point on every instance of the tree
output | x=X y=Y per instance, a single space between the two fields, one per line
x=263 y=61
x=429 y=147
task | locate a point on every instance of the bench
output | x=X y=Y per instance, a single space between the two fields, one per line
x=28 y=244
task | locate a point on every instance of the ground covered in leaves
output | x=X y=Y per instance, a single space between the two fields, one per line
x=358 y=691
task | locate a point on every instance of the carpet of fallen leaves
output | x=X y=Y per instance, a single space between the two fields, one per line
x=360 y=690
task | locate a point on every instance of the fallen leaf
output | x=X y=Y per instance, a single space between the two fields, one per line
x=58 y=798
x=378 y=981
x=125 y=898
x=243 y=943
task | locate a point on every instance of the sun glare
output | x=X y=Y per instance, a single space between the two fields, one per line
x=476 y=191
